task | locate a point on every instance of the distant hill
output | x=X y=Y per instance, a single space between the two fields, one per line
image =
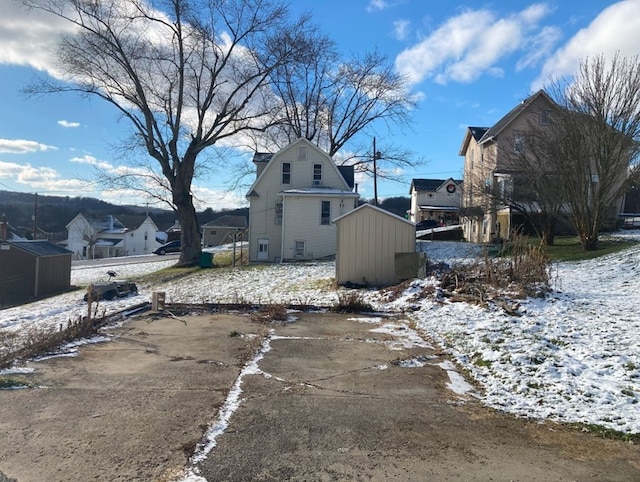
x=55 y=212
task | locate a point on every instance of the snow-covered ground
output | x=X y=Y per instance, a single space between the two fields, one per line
x=573 y=357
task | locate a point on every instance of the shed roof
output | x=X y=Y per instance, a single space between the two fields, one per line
x=227 y=221
x=375 y=208
x=38 y=247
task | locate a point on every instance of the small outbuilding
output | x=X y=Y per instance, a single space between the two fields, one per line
x=224 y=230
x=376 y=248
x=33 y=269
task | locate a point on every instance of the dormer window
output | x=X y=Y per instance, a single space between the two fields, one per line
x=286 y=173
x=317 y=174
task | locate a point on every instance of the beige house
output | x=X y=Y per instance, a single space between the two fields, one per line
x=436 y=199
x=375 y=248
x=488 y=164
x=297 y=193
x=224 y=230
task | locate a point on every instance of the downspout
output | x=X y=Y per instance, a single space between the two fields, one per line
x=284 y=204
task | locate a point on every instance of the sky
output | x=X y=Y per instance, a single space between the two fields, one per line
x=570 y=357
x=468 y=64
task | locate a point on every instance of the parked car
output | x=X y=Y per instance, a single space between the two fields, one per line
x=427 y=224
x=170 y=247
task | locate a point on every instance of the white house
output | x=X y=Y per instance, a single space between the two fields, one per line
x=437 y=199
x=297 y=193
x=90 y=237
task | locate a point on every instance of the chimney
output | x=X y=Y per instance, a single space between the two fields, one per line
x=4 y=228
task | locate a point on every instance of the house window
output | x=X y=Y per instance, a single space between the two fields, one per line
x=299 y=249
x=317 y=174
x=302 y=153
x=286 y=173
x=279 y=213
x=84 y=251
x=325 y=213
x=545 y=117
x=518 y=144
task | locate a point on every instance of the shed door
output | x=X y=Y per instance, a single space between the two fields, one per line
x=263 y=249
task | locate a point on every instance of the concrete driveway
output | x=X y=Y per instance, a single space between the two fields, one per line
x=331 y=399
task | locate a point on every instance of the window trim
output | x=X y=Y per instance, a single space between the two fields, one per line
x=325 y=219
x=317 y=174
x=285 y=171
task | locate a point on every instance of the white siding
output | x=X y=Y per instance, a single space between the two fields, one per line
x=300 y=222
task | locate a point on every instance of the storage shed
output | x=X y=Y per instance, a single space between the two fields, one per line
x=375 y=247
x=33 y=269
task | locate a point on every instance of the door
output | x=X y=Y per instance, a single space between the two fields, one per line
x=263 y=249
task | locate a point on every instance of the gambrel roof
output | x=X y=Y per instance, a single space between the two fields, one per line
x=346 y=172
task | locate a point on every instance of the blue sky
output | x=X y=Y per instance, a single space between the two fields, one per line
x=468 y=62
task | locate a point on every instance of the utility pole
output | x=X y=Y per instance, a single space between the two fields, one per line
x=35 y=219
x=376 y=155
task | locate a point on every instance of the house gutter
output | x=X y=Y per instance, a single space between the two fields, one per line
x=284 y=208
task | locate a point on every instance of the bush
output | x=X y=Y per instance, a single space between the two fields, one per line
x=351 y=302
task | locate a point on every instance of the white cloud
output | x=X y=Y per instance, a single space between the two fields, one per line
x=29 y=37
x=92 y=161
x=401 y=29
x=216 y=199
x=9 y=169
x=377 y=5
x=471 y=44
x=42 y=178
x=22 y=146
x=65 y=123
x=615 y=29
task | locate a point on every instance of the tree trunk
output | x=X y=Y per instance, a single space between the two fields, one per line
x=589 y=241
x=189 y=231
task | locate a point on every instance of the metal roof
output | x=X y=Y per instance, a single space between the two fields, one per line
x=38 y=247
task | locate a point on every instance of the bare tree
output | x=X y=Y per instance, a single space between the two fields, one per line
x=184 y=74
x=332 y=101
x=593 y=145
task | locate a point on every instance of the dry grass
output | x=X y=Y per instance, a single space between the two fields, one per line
x=270 y=314
x=38 y=342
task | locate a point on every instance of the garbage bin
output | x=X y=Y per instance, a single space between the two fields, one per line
x=206 y=260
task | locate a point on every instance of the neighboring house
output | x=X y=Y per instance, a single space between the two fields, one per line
x=32 y=269
x=223 y=230
x=91 y=237
x=376 y=248
x=437 y=199
x=491 y=157
x=297 y=193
